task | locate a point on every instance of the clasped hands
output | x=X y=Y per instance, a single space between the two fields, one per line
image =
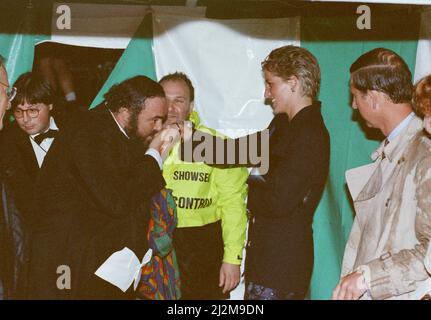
x=164 y=140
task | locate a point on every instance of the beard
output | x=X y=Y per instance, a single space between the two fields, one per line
x=132 y=132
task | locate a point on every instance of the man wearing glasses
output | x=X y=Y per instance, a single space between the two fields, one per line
x=25 y=144
x=35 y=128
x=29 y=138
x=7 y=93
x=11 y=236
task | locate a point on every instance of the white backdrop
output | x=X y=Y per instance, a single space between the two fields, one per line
x=222 y=59
x=107 y=25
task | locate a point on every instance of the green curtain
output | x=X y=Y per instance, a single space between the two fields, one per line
x=18 y=41
x=137 y=59
x=336 y=42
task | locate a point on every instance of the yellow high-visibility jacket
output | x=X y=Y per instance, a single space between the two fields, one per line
x=205 y=194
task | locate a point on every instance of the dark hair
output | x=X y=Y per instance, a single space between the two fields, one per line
x=132 y=93
x=2 y=61
x=179 y=76
x=385 y=71
x=33 y=88
x=422 y=96
x=289 y=61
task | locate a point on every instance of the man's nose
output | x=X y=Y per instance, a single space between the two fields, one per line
x=25 y=116
x=158 y=126
x=171 y=106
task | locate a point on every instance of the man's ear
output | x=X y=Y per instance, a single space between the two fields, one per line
x=377 y=98
x=123 y=111
x=122 y=115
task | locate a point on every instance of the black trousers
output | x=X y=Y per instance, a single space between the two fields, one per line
x=199 y=254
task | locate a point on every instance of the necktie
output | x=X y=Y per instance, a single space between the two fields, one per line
x=49 y=134
x=383 y=152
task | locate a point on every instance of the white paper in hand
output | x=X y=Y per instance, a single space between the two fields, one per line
x=122 y=268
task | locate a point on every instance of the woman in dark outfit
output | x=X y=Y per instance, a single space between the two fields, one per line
x=282 y=202
x=279 y=259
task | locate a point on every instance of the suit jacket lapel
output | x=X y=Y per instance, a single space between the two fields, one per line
x=367 y=181
x=28 y=156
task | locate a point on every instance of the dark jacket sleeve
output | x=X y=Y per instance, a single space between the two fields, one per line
x=297 y=176
x=103 y=196
x=111 y=186
x=121 y=194
x=215 y=151
x=13 y=249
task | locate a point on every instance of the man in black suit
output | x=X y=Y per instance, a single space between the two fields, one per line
x=94 y=192
x=25 y=143
x=28 y=139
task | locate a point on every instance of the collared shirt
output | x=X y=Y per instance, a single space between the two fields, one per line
x=40 y=150
x=403 y=124
x=151 y=151
x=386 y=149
x=119 y=126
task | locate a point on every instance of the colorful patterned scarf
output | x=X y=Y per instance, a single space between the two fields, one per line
x=160 y=278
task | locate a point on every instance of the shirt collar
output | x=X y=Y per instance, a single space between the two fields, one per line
x=52 y=126
x=398 y=143
x=119 y=126
x=403 y=124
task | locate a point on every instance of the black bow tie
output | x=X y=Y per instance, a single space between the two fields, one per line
x=49 y=134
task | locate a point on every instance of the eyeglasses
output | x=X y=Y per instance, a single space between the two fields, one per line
x=10 y=91
x=31 y=112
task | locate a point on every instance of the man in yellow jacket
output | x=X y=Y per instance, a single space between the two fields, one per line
x=211 y=208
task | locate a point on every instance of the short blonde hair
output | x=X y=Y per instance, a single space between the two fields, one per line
x=295 y=61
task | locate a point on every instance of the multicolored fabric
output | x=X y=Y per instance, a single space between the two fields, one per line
x=160 y=278
x=257 y=292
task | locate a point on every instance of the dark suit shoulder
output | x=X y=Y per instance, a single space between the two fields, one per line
x=13 y=139
x=309 y=126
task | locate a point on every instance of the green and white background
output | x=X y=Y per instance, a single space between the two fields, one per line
x=223 y=59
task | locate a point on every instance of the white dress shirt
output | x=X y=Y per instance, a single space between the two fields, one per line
x=41 y=150
x=403 y=124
